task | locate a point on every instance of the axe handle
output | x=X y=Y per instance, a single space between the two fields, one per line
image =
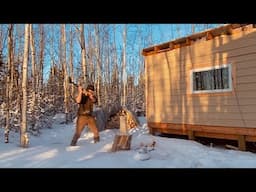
x=70 y=81
x=74 y=84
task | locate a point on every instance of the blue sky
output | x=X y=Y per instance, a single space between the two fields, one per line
x=139 y=36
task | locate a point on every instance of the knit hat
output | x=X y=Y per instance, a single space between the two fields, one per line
x=90 y=87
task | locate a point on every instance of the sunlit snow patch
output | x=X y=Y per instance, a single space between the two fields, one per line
x=72 y=148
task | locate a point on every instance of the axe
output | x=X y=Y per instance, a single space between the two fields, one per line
x=70 y=81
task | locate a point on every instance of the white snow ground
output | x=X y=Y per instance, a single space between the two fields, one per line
x=51 y=150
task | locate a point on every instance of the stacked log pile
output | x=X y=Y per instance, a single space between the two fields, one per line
x=114 y=120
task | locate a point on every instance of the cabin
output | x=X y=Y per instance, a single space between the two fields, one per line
x=204 y=85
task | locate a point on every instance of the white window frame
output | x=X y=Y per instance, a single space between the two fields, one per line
x=211 y=68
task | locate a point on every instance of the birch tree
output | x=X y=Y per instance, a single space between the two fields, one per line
x=115 y=77
x=34 y=77
x=9 y=82
x=71 y=58
x=91 y=49
x=24 y=140
x=83 y=55
x=64 y=67
x=52 y=89
x=98 y=61
x=41 y=59
x=18 y=53
x=3 y=37
x=124 y=75
x=105 y=65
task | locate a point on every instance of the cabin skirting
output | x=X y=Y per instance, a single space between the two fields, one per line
x=241 y=134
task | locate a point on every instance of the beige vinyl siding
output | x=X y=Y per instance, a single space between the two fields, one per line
x=168 y=90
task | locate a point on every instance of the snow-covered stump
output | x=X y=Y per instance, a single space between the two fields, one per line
x=142 y=154
x=122 y=141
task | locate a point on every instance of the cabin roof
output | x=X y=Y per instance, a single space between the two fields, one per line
x=186 y=41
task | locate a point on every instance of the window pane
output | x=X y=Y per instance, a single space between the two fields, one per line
x=214 y=79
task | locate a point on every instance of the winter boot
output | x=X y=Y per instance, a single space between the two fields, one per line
x=73 y=142
x=6 y=136
x=96 y=139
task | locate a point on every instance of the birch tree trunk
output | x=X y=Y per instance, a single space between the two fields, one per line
x=115 y=72
x=83 y=55
x=91 y=50
x=71 y=58
x=9 y=82
x=52 y=86
x=41 y=59
x=98 y=59
x=107 y=68
x=1 y=38
x=64 y=67
x=34 y=77
x=71 y=73
x=124 y=75
x=24 y=140
x=19 y=59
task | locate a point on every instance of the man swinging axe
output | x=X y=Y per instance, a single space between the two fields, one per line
x=85 y=98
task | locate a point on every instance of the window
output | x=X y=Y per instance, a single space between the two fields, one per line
x=214 y=79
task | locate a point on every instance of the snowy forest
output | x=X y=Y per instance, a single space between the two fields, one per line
x=39 y=62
